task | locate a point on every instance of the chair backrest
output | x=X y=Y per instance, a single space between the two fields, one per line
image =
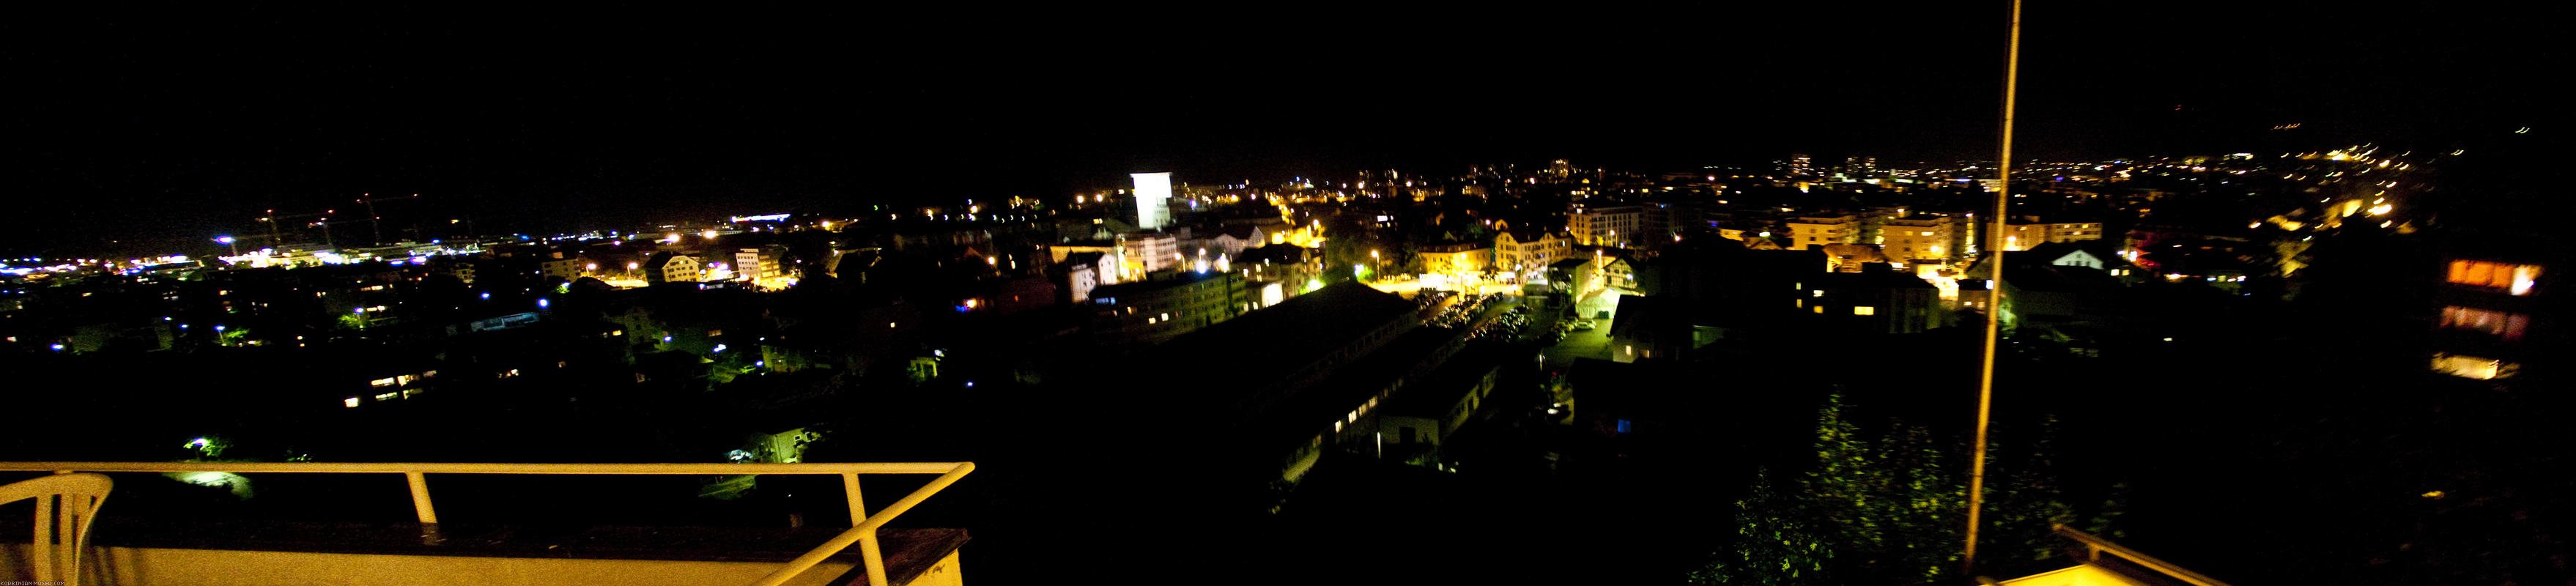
x=65 y=506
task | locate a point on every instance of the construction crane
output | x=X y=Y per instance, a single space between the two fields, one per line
x=377 y=222
x=274 y=239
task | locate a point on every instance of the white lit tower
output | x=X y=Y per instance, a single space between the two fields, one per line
x=1153 y=200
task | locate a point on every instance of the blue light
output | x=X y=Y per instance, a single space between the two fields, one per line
x=541 y=302
x=719 y=349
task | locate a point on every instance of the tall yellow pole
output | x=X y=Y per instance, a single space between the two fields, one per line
x=1994 y=297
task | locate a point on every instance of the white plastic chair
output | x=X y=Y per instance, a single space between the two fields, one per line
x=65 y=506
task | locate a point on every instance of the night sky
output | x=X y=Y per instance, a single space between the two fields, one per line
x=175 y=126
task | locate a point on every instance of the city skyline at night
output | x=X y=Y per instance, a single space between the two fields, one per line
x=1713 y=294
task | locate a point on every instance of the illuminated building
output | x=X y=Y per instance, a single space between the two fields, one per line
x=759 y=262
x=1150 y=312
x=1800 y=165
x=1145 y=253
x=1463 y=258
x=2029 y=232
x=1606 y=226
x=1153 y=200
x=1081 y=272
x=669 y=267
x=1805 y=231
x=1919 y=239
x=2495 y=318
x=1524 y=252
x=567 y=269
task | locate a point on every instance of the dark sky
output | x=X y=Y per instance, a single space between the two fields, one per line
x=186 y=124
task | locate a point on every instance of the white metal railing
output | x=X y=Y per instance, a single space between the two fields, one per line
x=863 y=530
x=2094 y=547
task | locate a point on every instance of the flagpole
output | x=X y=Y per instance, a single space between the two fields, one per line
x=1994 y=296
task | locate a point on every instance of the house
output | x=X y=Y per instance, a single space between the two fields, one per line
x=1524 y=251
x=670 y=267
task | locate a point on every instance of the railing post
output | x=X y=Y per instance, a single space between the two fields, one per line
x=875 y=559
x=858 y=507
x=420 y=497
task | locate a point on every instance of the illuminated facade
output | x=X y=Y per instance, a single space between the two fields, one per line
x=668 y=267
x=1465 y=258
x=1527 y=252
x=1143 y=253
x=2025 y=236
x=1153 y=200
x=1824 y=230
x=2491 y=315
x=1915 y=240
x=1151 y=312
x=1606 y=226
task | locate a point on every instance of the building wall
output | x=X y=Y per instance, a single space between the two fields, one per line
x=1912 y=240
x=2025 y=236
x=1833 y=230
x=1457 y=262
x=1147 y=252
x=1606 y=226
x=1150 y=313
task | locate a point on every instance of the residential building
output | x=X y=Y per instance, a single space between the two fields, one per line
x=1876 y=300
x=670 y=267
x=1807 y=230
x=1920 y=239
x=1150 y=312
x=2495 y=319
x=1606 y=225
x=1144 y=253
x=1525 y=251
x=2027 y=232
x=1463 y=258
x=759 y=262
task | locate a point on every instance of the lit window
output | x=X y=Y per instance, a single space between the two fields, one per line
x=1864 y=310
x=2505 y=326
x=2513 y=278
x=382 y=382
x=387 y=396
x=351 y=402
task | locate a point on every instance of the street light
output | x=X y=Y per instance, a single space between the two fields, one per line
x=228 y=241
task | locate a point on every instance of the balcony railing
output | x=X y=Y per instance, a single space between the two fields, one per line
x=863 y=530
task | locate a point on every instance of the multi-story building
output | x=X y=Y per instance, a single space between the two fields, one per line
x=1843 y=229
x=1153 y=200
x=2492 y=322
x=566 y=269
x=759 y=262
x=1876 y=300
x=1143 y=253
x=671 y=267
x=1149 y=312
x=2031 y=232
x=1607 y=225
x=1464 y=258
x=1524 y=252
x=1919 y=239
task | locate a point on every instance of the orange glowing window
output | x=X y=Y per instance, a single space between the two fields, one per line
x=2512 y=278
x=2505 y=326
